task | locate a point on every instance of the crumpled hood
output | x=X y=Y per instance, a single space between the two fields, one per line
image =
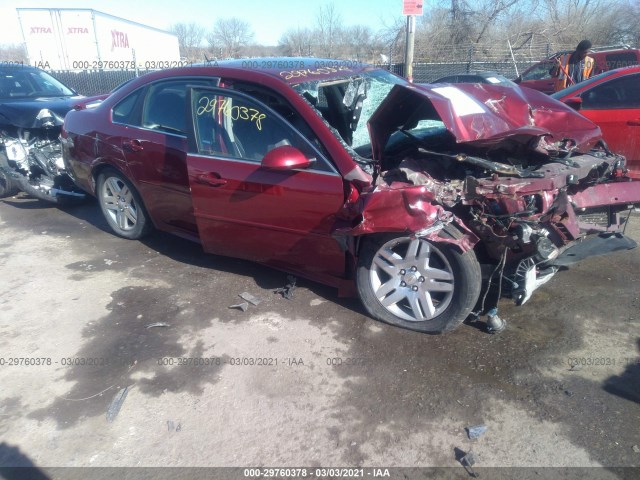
x=22 y=112
x=482 y=115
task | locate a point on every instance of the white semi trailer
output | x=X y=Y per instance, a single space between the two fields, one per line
x=81 y=39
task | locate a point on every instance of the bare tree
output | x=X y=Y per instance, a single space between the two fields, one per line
x=13 y=53
x=357 y=41
x=296 y=42
x=391 y=37
x=229 y=36
x=329 y=26
x=489 y=13
x=190 y=37
x=574 y=20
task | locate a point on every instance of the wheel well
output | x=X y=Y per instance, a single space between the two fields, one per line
x=108 y=166
x=101 y=168
x=453 y=231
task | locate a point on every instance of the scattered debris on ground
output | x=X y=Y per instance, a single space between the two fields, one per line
x=476 y=431
x=250 y=298
x=241 y=306
x=158 y=324
x=468 y=461
x=116 y=404
x=287 y=290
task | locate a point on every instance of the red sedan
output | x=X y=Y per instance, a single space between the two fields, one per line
x=611 y=100
x=350 y=176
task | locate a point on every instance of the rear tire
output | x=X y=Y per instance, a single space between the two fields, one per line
x=122 y=206
x=418 y=284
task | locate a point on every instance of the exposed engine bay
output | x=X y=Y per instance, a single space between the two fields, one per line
x=530 y=218
x=31 y=160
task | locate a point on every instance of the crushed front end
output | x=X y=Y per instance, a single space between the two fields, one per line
x=528 y=181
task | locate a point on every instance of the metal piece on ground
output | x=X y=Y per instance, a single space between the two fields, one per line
x=287 y=290
x=157 y=324
x=476 y=431
x=468 y=461
x=250 y=298
x=116 y=404
x=495 y=324
x=240 y=306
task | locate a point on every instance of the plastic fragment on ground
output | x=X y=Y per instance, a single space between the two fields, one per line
x=250 y=298
x=476 y=431
x=240 y=306
x=157 y=324
x=116 y=404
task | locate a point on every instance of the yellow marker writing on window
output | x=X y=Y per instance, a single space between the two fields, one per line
x=224 y=106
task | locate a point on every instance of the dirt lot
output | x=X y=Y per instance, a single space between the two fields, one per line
x=336 y=388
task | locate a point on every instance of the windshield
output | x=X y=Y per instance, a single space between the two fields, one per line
x=20 y=83
x=347 y=103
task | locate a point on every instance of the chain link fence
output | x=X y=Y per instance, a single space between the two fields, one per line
x=424 y=72
x=432 y=63
x=95 y=82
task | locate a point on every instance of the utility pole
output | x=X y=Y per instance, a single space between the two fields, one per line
x=409 y=44
x=410 y=8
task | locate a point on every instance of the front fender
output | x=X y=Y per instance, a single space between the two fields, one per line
x=411 y=210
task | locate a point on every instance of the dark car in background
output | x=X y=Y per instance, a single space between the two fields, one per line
x=611 y=100
x=492 y=78
x=539 y=75
x=353 y=177
x=33 y=105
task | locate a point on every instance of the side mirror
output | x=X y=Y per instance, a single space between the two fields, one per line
x=574 y=102
x=285 y=157
x=518 y=79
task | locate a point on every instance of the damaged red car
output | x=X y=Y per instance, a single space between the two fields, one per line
x=350 y=176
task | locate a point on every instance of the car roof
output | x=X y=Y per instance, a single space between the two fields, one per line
x=293 y=70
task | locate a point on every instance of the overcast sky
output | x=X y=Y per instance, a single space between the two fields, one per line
x=268 y=18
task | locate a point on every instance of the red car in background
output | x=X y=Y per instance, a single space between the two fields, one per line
x=348 y=175
x=611 y=100
x=538 y=76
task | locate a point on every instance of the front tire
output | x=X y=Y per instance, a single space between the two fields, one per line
x=418 y=284
x=8 y=188
x=122 y=206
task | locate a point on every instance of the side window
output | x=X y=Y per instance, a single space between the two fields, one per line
x=165 y=105
x=277 y=102
x=235 y=126
x=125 y=111
x=539 y=72
x=618 y=93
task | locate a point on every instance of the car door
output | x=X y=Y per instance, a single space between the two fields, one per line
x=539 y=77
x=153 y=140
x=614 y=106
x=283 y=218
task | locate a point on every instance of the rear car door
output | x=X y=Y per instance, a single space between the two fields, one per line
x=283 y=218
x=614 y=106
x=150 y=128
